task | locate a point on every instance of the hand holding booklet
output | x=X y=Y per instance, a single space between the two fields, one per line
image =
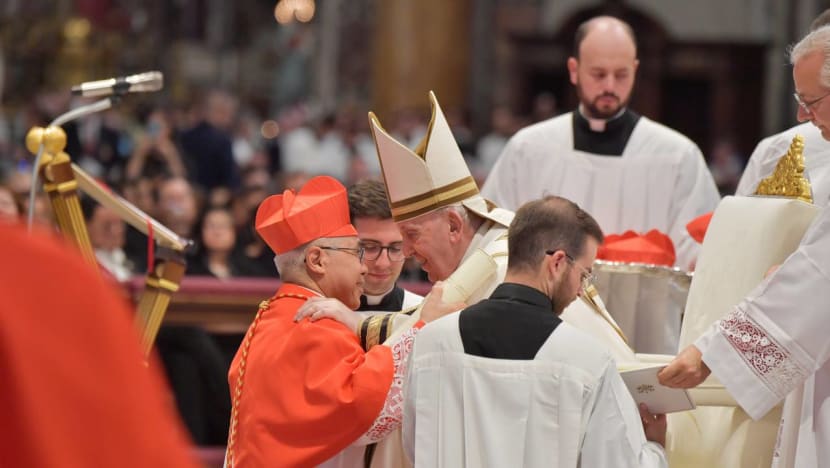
x=644 y=387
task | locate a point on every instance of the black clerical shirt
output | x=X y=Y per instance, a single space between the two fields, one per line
x=513 y=323
x=391 y=302
x=611 y=141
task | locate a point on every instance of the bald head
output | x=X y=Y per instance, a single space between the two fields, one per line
x=606 y=27
x=603 y=66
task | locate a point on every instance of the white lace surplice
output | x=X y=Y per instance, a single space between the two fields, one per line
x=776 y=340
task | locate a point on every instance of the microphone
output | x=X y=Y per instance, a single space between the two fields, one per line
x=140 y=83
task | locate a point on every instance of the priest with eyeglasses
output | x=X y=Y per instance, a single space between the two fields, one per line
x=383 y=250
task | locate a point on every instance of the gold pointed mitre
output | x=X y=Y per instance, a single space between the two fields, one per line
x=432 y=176
x=788 y=178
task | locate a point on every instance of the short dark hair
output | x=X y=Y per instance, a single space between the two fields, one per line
x=367 y=199
x=586 y=26
x=549 y=223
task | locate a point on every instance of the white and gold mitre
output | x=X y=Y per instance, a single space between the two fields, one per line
x=432 y=176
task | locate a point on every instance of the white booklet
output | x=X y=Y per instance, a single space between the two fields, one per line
x=644 y=387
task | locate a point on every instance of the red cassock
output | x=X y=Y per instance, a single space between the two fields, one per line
x=309 y=390
x=75 y=391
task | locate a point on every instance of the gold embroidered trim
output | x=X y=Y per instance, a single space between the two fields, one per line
x=372 y=336
x=417 y=205
x=375 y=329
x=246 y=345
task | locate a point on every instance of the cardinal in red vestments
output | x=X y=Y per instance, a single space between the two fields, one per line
x=302 y=392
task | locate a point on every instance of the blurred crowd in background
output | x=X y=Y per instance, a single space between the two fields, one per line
x=203 y=168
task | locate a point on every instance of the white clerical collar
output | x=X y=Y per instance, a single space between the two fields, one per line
x=375 y=300
x=598 y=125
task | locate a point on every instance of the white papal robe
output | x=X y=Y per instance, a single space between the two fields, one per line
x=770 y=150
x=659 y=182
x=777 y=339
x=568 y=407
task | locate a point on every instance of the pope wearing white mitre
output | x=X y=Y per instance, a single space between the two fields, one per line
x=457 y=236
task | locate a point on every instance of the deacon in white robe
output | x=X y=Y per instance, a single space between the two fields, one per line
x=653 y=178
x=629 y=172
x=507 y=383
x=474 y=281
x=773 y=342
x=769 y=151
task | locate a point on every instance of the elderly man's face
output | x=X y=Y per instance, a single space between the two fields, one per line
x=345 y=272
x=429 y=239
x=811 y=91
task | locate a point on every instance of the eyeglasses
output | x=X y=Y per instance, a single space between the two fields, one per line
x=358 y=252
x=806 y=106
x=586 y=278
x=374 y=250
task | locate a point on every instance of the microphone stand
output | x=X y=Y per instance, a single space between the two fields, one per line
x=62 y=179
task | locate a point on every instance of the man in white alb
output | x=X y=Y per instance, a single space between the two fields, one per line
x=628 y=171
x=506 y=382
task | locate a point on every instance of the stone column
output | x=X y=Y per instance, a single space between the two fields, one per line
x=420 y=45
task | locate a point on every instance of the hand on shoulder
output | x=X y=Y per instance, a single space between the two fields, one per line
x=317 y=308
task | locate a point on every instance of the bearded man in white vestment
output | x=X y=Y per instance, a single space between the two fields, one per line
x=507 y=383
x=775 y=340
x=628 y=171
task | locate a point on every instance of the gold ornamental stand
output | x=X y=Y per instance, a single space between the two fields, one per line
x=61 y=181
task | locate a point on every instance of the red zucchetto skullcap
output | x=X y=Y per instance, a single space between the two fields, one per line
x=653 y=247
x=319 y=209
